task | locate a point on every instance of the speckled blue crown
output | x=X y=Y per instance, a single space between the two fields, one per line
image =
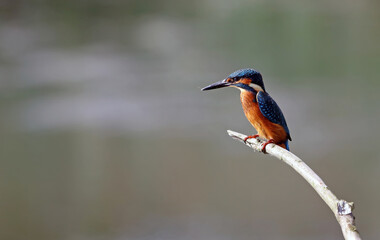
x=247 y=72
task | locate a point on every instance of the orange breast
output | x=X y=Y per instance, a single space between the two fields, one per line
x=263 y=126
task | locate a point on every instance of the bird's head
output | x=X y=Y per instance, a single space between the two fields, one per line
x=244 y=79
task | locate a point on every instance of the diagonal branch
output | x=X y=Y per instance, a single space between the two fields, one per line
x=341 y=208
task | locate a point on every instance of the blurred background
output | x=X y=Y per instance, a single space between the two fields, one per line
x=105 y=133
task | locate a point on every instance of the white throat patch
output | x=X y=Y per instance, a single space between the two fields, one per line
x=256 y=87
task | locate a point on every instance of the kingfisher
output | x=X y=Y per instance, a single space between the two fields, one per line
x=259 y=107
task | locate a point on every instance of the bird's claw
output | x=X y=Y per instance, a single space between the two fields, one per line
x=265 y=144
x=253 y=136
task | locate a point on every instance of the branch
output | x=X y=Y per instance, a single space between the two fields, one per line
x=341 y=208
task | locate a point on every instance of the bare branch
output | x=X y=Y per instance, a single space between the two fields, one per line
x=341 y=208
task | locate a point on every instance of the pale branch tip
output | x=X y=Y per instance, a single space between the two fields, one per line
x=341 y=208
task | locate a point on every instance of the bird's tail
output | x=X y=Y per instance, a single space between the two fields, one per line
x=285 y=145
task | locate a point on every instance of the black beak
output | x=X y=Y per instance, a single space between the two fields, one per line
x=216 y=85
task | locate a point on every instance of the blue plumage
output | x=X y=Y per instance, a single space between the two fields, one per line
x=246 y=87
x=272 y=111
x=247 y=72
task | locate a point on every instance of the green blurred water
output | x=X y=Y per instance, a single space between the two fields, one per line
x=106 y=135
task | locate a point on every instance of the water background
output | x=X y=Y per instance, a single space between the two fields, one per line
x=105 y=133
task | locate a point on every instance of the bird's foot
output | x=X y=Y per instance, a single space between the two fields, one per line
x=265 y=144
x=253 y=136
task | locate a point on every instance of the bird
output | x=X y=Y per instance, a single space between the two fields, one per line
x=259 y=107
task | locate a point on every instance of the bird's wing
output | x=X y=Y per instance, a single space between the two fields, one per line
x=271 y=110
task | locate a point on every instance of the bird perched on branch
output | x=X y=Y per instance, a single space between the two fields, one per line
x=260 y=109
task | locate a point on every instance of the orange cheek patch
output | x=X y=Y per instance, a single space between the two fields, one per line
x=245 y=81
